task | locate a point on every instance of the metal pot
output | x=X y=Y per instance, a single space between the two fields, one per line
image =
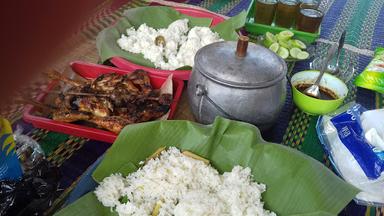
x=244 y=85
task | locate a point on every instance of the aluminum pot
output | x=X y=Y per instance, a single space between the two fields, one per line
x=247 y=83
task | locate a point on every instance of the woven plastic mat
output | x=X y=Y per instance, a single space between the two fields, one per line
x=363 y=20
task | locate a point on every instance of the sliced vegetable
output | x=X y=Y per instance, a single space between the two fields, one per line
x=285 y=45
x=285 y=35
x=283 y=52
x=299 y=44
x=269 y=39
x=302 y=55
x=294 y=51
x=274 y=47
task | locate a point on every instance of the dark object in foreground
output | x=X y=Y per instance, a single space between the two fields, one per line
x=33 y=194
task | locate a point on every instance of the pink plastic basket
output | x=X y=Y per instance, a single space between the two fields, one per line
x=90 y=71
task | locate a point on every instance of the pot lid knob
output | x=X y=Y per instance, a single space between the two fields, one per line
x=242 y=45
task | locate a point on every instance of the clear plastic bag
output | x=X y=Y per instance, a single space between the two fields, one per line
x=28 y=150
x=357 y=161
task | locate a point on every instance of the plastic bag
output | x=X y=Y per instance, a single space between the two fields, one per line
x=30 y=186
x=357 y=159
x=9 y=164
x=28 y=150
x=373 y=76
x=33 y=194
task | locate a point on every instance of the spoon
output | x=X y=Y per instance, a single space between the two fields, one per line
x=335 y=69
x=314 y=90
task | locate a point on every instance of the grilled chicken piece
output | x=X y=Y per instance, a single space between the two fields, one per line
x=121 y=97
x=140 y=78
x=112 y=123
x=106 y=82
x=65 y=101
x=152 y=111
x=69 y=115
x=115 y=100
x=100 y=107
x=129 y=86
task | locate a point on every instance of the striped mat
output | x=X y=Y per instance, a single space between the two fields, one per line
x=363 y=20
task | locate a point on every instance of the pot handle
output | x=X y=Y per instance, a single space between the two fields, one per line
x=201 y=91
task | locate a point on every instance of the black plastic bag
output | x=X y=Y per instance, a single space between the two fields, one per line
x=33 y=194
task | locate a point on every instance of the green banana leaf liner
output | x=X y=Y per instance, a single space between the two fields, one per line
x=156 y=17
x=296 y=183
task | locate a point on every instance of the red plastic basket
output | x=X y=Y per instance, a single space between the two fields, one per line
x=180 y=74
x=89 y=71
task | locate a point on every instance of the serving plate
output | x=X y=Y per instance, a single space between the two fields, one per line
x=180 y=74
x=90 y=71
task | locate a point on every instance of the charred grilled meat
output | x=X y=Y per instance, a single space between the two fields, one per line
x=106 y=82
x=69 y=115
x=100 y=107
x=111 y=123
x=111 y=101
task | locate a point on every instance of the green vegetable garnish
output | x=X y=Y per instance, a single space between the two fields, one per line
x=285 y=46
x=284 y=35
x=294 y=52
x=299 y=44
x=283 y=52
x=302 y=55
x=269 y=39
x=274 y=47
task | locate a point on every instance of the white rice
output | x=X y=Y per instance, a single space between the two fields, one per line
x=183 y=186
x=181 y=43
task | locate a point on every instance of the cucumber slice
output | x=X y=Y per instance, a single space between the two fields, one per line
x=274 y=47
x=285 y=44
x=269 y=39
x=285 y=35
x=302 y=55
x=283 y=52
x=294 y=51
x=299 y=44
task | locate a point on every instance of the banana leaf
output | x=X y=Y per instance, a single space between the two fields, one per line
x=156 y=17
x=296 y=183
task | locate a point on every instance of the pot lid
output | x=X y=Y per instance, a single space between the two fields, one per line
x=258 y=67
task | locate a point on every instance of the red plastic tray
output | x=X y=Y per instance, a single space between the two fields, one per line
x=88 y=71
x=180 y=74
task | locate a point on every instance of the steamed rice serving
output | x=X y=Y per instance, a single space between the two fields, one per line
x=175 y=184
x=178 y=46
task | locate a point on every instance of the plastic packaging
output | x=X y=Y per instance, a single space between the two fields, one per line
x=34 y=194
x=373 y=76
x=352 y=138
x=28 y=150
x=9 y=164
x=30 y=186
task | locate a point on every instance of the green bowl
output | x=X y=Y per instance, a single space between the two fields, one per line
x=312 y=105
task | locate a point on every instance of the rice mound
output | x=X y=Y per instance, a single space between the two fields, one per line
x=179 y=185
x=180 y=48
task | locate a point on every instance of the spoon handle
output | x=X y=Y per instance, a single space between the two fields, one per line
x=341 y=44
x=330 y=54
